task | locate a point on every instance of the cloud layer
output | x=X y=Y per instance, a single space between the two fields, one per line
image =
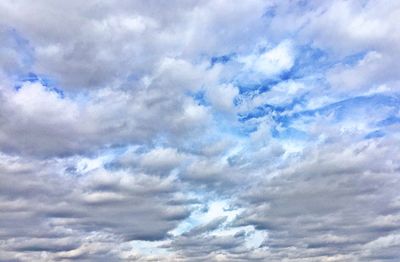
x=199 y=131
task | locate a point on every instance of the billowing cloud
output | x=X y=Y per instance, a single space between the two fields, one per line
x=199 y=131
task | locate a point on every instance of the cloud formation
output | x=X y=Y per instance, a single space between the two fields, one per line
x=199 y=131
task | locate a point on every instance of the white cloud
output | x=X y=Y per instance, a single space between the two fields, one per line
x=199 y=130
x=272 y=62
x=222 y=97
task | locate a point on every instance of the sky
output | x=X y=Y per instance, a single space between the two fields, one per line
x=211 y=130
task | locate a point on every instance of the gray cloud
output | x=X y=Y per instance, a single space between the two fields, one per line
x=199 y=131
x=64 y=215
x=47 y=124
x=333 y=202
x=100 y=44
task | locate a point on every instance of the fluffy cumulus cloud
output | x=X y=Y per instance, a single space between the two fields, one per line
x=199 y=131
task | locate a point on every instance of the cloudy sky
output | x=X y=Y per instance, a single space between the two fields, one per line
x=215 y=130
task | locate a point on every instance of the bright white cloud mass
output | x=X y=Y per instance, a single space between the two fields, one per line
x=218 y=130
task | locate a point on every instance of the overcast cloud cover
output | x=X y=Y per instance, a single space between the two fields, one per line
x=199 y=130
